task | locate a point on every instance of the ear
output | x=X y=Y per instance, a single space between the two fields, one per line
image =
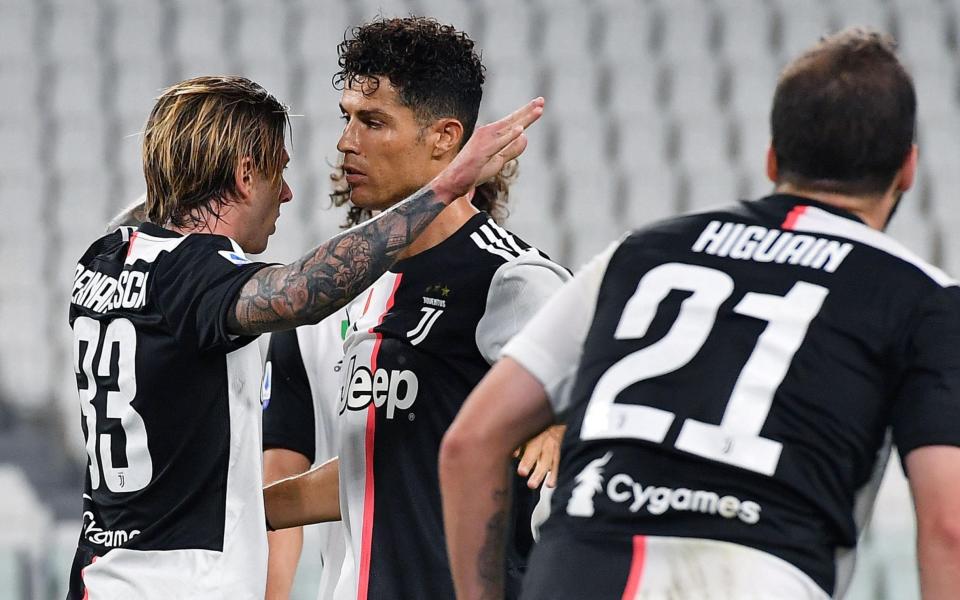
x=243 y=176
x=908 y=172
x=448 y=134
x=772 y=173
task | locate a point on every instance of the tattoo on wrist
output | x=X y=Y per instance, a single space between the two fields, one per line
x=333 y=273
x=490 y=563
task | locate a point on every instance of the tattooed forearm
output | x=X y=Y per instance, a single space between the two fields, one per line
x=490 y=562
x=333 y=273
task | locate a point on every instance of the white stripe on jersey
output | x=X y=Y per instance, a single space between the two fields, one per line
x=239 y=572
x=147 y=247
x=817 y=220
x=499 y=241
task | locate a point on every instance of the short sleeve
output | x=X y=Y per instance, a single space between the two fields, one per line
x=518 y=289
x=196 y=287
x=551 y=344
x=288 y=419
x=926 y=410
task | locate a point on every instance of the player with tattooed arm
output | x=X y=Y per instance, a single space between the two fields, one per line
x=164 y=315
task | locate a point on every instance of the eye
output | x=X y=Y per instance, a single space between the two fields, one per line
x=345 y=118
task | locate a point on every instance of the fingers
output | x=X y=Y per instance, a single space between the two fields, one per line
x=541 y=470
x=513 y=149
x=531 y=454
x=524 y=116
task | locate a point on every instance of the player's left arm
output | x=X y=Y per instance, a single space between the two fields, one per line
x=924 y=417
x=518 y=290
x=507 y=407
x=935 y=485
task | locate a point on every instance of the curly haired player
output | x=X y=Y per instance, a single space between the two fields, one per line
x=425 y=333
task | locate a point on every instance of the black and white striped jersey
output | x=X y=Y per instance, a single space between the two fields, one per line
x=170 y=406
x=426 y=333
x=738 y=376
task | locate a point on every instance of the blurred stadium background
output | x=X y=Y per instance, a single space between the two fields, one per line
x=654 y=107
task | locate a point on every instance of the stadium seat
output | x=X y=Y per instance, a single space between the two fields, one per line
x=574 y=86
x=627 y=33
x=746 y=28
x=199 y=37
x=705 y=141
x=18 y=27
x=136 y=84
x=751 y=86
x=77 y=91
x=320 y=30
x=80 y=147
x=650 y=193
x=507 y=32
x=21 y=144
x=862 y=13
x=570 y=35
x=694 y=88
x=509 y=84
x=800 y=25
x=710 y=186
x=751 y=132
x=137 y=27
x=262 y=34
x=636 y=85
x=75 y=32
x=642 y=139
x=689 y=30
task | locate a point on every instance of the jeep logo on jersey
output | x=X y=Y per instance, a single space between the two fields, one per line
x=396 y=389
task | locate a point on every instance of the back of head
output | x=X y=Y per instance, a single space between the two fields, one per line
x=437 y=74
x=197 y=133
x=844 y=115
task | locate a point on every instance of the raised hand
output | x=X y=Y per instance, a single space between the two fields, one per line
x=490 y=147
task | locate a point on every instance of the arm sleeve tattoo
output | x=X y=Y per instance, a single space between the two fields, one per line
x=333 y=273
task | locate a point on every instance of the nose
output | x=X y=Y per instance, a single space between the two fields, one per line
x=286 y=194
x=348 y=142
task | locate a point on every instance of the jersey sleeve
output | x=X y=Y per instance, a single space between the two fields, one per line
x=550 y=345
x=196 y=287
x=288 y=414
x=926 y=410
x=518 y=289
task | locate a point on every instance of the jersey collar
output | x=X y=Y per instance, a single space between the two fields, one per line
x=789 y=200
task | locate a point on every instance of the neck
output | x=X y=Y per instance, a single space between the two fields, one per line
x=446 y=224
x=208 y=223
x=873 y=210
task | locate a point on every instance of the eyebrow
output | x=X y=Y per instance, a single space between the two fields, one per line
x=368 y=113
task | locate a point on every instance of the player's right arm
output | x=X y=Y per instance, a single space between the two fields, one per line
x=326 y=278
x=311 y=497
x=935 y=484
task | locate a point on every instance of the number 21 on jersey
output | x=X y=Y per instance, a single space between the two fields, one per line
x=120 y=337
x=736 y=440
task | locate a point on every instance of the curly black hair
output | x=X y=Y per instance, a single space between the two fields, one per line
x=434 y=67
x=437 y=73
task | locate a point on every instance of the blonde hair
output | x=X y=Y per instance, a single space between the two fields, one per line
x=197 y=133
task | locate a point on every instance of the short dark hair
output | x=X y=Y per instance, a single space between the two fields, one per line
x=434 y=67
x=844 y=115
